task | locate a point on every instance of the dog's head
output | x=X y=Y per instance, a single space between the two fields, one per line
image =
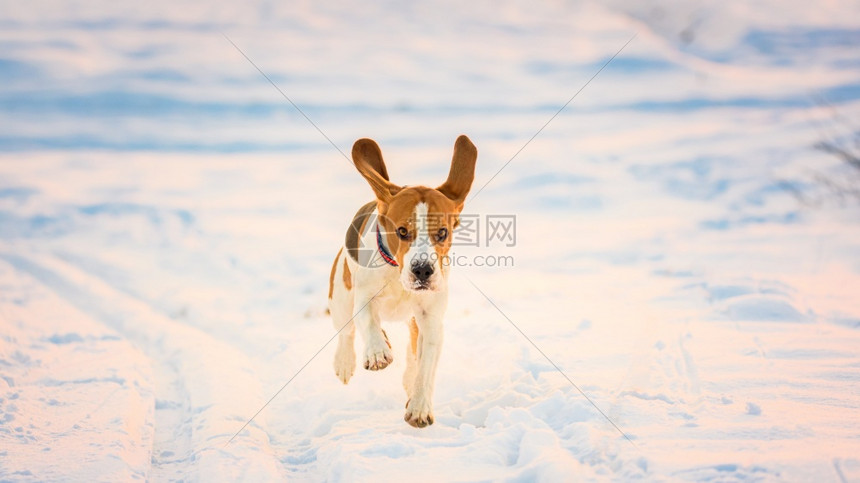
x=417 y=222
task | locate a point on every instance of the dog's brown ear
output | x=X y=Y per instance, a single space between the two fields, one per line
x=368 y=159
x=462 y=172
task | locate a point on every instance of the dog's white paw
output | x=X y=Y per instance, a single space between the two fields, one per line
x=377 y=354
x=344 y=366
x=378 y=358
x=344 y=359
x=419 y=413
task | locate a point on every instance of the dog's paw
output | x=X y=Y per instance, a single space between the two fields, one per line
x=418 y=414
x=344 y=368
x=378 y=355
x=378 y=358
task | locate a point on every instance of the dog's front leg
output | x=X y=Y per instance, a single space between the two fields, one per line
x=419 y=408
x=377 y=349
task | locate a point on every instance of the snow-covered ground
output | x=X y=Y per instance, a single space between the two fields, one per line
x=168 y=220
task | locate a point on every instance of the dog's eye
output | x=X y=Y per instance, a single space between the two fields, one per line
x=403 y=233
x=442 y=234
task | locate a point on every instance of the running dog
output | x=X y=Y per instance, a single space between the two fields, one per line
x=392 y=268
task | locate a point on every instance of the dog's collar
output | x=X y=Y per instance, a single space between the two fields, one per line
x=383 y=251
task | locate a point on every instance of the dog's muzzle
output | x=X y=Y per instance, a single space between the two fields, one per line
x=421 y=273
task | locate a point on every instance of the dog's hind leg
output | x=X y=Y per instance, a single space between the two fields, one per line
x=344 y=357
x=340 y=307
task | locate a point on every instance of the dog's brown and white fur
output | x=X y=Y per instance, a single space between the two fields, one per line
x=410 y=228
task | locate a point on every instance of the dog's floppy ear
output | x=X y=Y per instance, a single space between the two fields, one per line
x=462 y=172
x=368 y=159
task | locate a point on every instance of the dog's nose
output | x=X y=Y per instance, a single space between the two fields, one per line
x=422 y=271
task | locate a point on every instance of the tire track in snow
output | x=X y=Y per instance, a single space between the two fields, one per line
x=69 y=386
x=204 y=388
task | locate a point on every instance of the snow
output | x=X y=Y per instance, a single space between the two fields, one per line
x=168 y=221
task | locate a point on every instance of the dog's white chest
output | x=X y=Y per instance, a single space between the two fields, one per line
x=395 y=303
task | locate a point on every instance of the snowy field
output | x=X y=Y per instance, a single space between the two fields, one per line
x=168 y=222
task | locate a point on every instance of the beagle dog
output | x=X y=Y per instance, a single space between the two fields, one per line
x=393 y=267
